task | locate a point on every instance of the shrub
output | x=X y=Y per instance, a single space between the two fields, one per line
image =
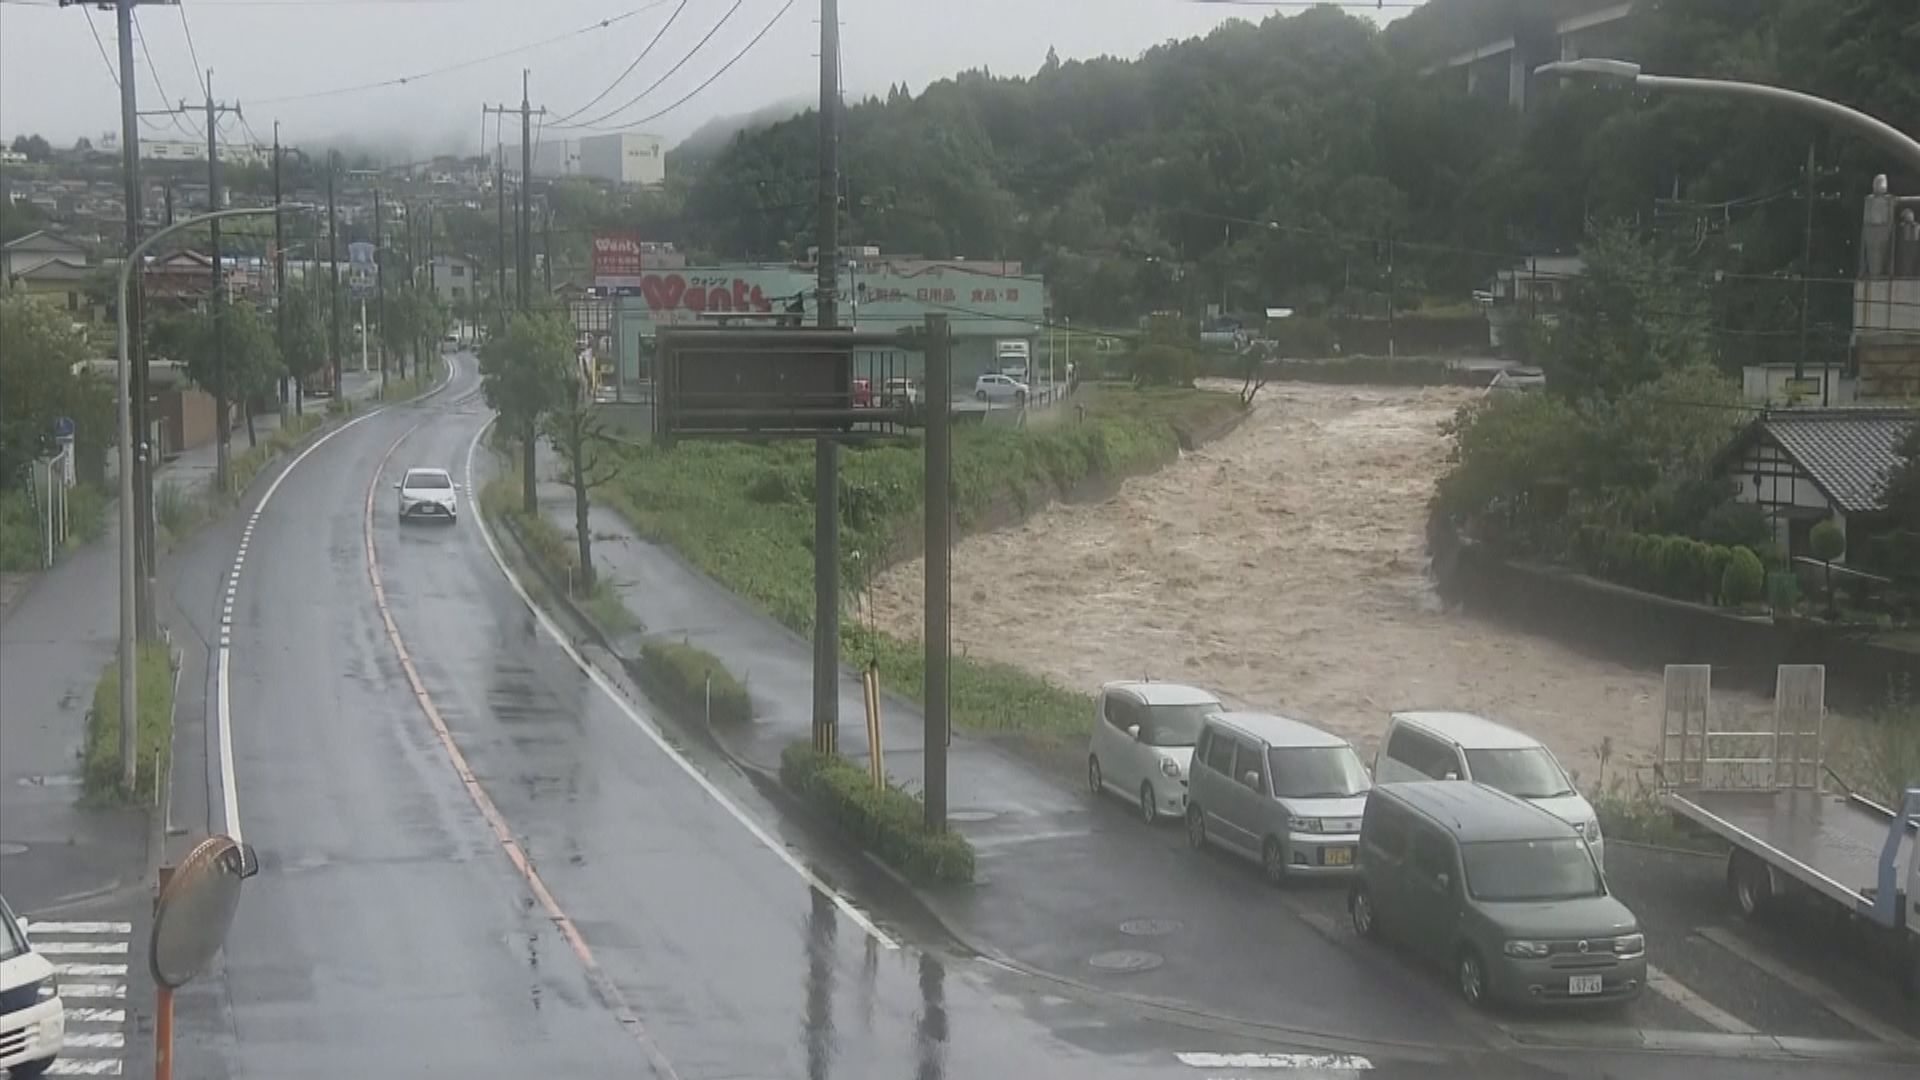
x=1827 y=541
x=1743 y=579
x=885 y=820
x=1783 y=591
x=1735 y=524
x=680 y=672
x=153 y=720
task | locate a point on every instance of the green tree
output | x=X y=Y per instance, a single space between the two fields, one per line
x=248 y=365
x=1632 y=316
x=578 y=434
x=1743 y=580
x=303 y=341
x=1508 y=446
x=1828 y=543
x=524 y=373
x=39 y=351
x=36 y=148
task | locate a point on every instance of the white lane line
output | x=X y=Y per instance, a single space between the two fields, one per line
x=1828 y=998
x=746 y=820
x=1664 y=984
x=95 y=1016
x=79 y=928
x=95 y=1040
x=91 y=970
x=89 y=991
x=85 y=1067
x=229 y=786
x=81 y=948
x=1323 y=1062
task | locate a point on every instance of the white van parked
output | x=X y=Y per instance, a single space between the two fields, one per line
x=1142 y=743
x=33 y=1022
x=1461 y=746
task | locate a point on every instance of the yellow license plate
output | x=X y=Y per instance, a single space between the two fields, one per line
x=1339 y=856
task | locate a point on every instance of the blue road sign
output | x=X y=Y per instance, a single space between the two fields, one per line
x=63 y=427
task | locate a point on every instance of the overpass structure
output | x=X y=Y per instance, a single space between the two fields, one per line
x=1503 y=68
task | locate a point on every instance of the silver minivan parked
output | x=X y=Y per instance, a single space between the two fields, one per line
x=1277 y=790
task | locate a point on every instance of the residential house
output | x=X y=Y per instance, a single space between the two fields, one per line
x=50 y=268
x=453 y=278
x=187 y=275
x=1808 y=465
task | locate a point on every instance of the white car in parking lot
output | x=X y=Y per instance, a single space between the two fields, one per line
x=33 y=1021
x=428 y=494
x=1142 y=743
x=1436 y=745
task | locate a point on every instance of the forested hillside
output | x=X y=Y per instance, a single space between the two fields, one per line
x=1293 y=160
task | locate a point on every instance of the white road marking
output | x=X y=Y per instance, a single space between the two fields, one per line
x=95 y=1040
x=95 y=1016
x=229 y=786
x=1348 y=1062
x=89 y=991
x=1663 y=984
x=80 y=948
x=85 y=1067
x=747 y=821
x=90 y=970
x=79 y=928
x=1829 y=998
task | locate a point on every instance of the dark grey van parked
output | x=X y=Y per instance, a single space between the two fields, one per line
x=1504 y=893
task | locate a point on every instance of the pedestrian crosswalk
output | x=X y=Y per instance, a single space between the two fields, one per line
x=90 y=959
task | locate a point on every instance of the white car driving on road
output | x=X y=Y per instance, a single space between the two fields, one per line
x=995 y=387
x=33 y=1022
x=428 y=494
x=1142 y=743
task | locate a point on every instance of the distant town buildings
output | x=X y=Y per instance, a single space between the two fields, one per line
x=231 y=153
x=627 y=158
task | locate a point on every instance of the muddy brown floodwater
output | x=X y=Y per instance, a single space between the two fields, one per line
x=1285 y=568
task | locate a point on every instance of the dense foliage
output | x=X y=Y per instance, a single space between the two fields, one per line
x=39 y=383
x=1271 y=163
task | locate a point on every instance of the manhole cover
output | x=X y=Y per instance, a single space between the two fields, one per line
x=13 y=849
x=972 y=815
x=1149 y=927
x=1125 y=960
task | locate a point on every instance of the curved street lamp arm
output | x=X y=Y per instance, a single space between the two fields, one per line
x=1879 y=131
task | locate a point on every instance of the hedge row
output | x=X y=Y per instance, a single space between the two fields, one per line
x=679 y=673
x=887 y=821
x=1676 y=566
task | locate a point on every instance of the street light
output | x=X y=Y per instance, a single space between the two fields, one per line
x=1624 y=71
x=128 y=712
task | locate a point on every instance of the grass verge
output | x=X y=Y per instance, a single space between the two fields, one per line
x=744 y=515
x=689 y=679
x=153 y=719
x=554 y=553
x=23 y=526
x=886 y=820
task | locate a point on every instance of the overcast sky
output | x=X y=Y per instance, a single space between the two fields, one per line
x=266 y=53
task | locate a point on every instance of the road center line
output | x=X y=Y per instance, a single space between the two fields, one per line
x=602 y=983
x=652 y=731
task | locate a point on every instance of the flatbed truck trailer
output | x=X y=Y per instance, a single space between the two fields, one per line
x=1765 y=790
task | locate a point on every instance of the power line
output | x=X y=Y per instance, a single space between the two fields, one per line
x=634 y=100
x=199 y=70
x=403 y=80
x=662 y=32
x=153 y=70
x=724 y=68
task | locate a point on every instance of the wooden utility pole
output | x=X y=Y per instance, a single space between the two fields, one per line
x=379 y=287
x=826 y=452
x=333 y=267
x=279 y=273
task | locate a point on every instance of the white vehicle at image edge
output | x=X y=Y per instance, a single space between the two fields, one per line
x=996 y=387
x=33 y=1022
x=1142 y=743
x=428 y=494
x=1461 y=746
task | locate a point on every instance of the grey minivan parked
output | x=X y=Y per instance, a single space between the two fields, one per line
x=1503 y=892
x=1277 y=790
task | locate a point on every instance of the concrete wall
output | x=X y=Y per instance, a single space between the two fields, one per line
x=1648 y=632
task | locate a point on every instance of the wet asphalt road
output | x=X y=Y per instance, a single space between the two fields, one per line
x=390 y=933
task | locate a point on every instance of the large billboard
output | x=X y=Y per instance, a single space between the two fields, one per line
x=978 y=303
x=616 y=260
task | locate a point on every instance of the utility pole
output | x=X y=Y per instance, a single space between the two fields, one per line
x=223 y=418
x=938 y=564
x=546 y=247
x=130 y=179
x=1813 y=194
x=379 y=288
x=333 y=266
x=500 y=190
x=826 y=452
x=523 y=225
x=279 y=271
x=1390 y=350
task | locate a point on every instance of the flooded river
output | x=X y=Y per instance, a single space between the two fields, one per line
x=1283 y=567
